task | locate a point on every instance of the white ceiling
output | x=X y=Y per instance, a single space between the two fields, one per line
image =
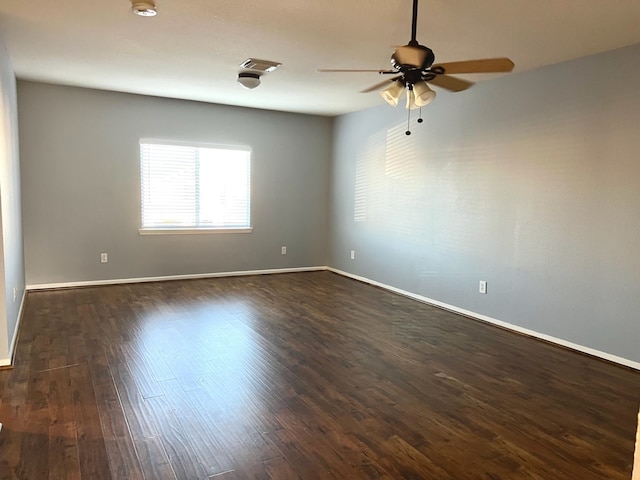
x=192 y=49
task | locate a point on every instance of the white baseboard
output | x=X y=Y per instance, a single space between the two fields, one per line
x=467 y=313
x=118 y=281
x=508 y=326
x=5 y=362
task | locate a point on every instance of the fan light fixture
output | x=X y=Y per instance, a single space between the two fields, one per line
x=418 y=95
x=249 y=80
x=144 y=9
x=393 y=93
x=411 y=100
x=423 y=95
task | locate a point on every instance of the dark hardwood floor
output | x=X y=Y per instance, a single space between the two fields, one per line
x=299 y=376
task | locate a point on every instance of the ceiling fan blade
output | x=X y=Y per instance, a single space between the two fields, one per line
x=454 y=84
x=378 y=86
x=338 y=70
x=485 y=65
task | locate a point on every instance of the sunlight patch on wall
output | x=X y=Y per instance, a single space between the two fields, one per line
x=361 y=188
x=365 y=179
x=389 y=183
x=400 y=154
x=404 y=183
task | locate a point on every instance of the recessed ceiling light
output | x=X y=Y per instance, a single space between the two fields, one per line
x=144 y=9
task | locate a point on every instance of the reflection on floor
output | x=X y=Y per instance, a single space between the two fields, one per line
x=301 y=376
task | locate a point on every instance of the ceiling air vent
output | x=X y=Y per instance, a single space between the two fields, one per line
x=259 y=65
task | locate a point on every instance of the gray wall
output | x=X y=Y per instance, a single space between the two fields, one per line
x=81 y=185
x=12 y=258
x=530 y=181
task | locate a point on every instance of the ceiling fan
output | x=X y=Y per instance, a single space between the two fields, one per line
x=413 y=68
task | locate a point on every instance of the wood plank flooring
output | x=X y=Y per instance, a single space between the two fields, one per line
x=299 y=376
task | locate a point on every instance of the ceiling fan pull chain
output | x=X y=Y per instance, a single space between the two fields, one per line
x=420 y=116
x=408 y=132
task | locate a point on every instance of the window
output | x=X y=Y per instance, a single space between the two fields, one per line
x=194 y=188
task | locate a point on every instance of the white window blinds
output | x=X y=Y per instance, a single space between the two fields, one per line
x=194 y=186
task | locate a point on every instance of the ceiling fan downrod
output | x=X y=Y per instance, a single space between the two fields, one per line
x=414 y=23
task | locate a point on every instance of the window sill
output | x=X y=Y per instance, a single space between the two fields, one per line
x=191 y=231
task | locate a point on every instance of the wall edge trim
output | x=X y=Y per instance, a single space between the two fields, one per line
x=493 y=321
x=7 y=362
x=467 y=313
x=191 y=276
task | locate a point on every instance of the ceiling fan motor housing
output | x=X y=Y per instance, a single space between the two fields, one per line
x=143 y=8
x=412 y=57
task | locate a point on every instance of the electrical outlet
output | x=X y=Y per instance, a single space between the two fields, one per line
x=353 y=254
x=482 y=288
x=284 y=250
x=104 y=258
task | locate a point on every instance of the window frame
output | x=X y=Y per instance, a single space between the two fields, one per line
x=191 y=230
